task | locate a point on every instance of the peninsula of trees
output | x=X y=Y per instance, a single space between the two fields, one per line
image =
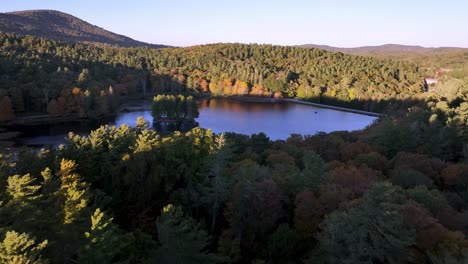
x=174 y=108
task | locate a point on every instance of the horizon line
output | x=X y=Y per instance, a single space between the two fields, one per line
x=250 y=43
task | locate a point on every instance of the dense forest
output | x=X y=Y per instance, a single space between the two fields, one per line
x=175 y=108
x=395 y=192
x=451 y=61
x=40 y=75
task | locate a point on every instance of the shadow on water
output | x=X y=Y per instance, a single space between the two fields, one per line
x=165 y=128
x=55 y=134
x=278 y=120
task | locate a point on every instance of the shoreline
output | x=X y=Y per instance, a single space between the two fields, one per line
x=145 y=105
x=47 y=119
x=253 y=99
x=332 y=107
x=296 y=101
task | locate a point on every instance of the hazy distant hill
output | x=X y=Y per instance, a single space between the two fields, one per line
x=393 y=50
x=432 y=60
x=61 y=26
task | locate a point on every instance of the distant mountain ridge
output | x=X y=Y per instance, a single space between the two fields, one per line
x=61 y=26
x=395 y=50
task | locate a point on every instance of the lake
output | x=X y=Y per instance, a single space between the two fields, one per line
x=278 y=120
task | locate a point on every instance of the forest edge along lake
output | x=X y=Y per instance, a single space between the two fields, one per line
x=278 y=120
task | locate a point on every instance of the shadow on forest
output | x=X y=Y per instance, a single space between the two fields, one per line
x=383 y=106
x=165 y=84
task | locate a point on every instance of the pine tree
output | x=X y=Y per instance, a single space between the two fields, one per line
x=19 y=248
x=141 y=123
x=217 y=191
x=104 y=241
x=74 y=189
x=21 y=188
x=373 y=232
x=182 y=239
x=311 y=176
x=83 y=76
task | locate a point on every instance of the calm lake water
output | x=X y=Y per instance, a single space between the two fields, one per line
x=277 y=120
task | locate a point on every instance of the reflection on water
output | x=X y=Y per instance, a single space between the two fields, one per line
x=241 y=106
x=277 y=120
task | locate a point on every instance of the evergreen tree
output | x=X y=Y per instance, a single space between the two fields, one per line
x=21 y=188
x=74 y=190
x=182 y=239
x=21 y=248
x=372 y=232
x=105 y=244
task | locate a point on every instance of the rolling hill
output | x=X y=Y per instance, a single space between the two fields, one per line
x=389 y=50
x=449 y=60
x=64 y=27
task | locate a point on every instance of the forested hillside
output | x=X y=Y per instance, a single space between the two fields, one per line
x=388 y=50
x=57 y=25
x=451 y=61
x=394 y=193
x=74 y=78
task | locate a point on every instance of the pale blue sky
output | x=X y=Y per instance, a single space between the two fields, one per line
x=343 y=23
